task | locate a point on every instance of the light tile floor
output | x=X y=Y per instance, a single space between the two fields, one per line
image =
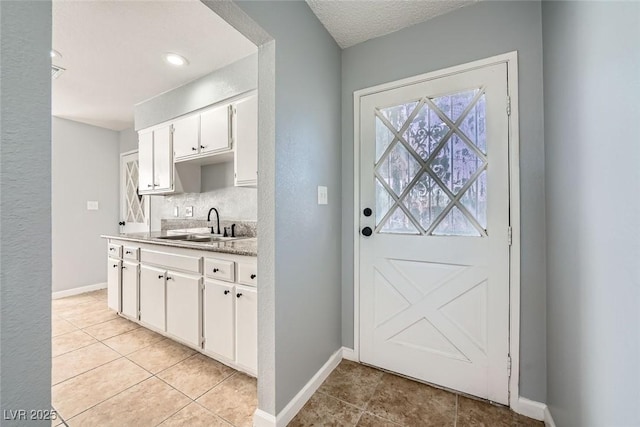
x=357 y=395
x=108 y=371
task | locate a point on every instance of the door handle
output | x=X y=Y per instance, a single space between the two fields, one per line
x=367 y=212
x=367 y=231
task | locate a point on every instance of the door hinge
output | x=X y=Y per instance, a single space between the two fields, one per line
x=202 y=341
x=509 y=366
x=508 y=105
x=510 y=235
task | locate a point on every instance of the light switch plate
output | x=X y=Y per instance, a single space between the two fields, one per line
x=92 y=205
x=323 y=197
x=188 y=211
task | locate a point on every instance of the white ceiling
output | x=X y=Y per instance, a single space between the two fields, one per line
x=113 y=54
x=352 y=22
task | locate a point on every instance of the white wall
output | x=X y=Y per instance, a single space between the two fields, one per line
x=592 y=83
x=25 y=208
x=85 y=166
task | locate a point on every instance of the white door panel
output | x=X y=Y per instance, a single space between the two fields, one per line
x=434 y=274
x=162 y=158
x=130 y=275
x=114 y=268
x=186 y=136
x=152 y=296
x=214 y=130
x=183 y=307
x=219 y=318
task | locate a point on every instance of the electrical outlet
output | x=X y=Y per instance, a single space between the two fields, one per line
x=188 y=211
x=92 y=205
x=323 y=197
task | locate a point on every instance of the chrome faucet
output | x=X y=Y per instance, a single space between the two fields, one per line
x=217 y=220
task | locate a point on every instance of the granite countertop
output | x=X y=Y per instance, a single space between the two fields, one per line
x=247 y=246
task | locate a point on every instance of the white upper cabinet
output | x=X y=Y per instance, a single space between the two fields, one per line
x=186 y=136
x=145 y=161
x=155 y=157
x=246 y=141
x=162 y=158
x=215 y=133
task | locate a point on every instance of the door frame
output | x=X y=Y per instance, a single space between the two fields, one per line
x=511 y=59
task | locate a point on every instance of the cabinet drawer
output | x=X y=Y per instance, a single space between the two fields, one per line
x=131 y=252
x=115 y=251
x=248 y=274
x=220 y=269
x=171 y=261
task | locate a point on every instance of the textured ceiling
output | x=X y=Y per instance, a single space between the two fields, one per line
x=352 y=22
x=113 y=54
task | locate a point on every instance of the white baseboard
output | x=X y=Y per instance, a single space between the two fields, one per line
x=548 y=419
x=264 y=419
x=349 y=354
x=530 y=408
x=77 y=291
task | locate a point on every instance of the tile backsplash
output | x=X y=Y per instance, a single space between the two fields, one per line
x=234 y=204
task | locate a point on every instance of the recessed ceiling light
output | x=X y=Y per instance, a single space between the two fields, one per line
x=55 y=54
x=175 y=59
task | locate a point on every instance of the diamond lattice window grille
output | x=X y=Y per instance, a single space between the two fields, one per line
x=430 y=169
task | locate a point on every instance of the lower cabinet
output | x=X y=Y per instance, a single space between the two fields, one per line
x=114 y=266
x=183 y=307
x=247 y=327
x=152 y=296
x=219 y=319
x=231 y=322
x=130 y=289
x=206 y=302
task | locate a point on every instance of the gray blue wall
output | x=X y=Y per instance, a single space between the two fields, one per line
x=474 y=32
x=85 y=165
x=307 y=154
x=592 y=84
x=25 y=207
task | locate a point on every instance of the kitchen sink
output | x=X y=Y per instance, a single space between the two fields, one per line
x=199 y=238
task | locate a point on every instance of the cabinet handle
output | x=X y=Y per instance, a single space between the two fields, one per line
x=149 y=185
x=194 y=149
x=161 y=276
x=215 y=270
x=226 y=291
x=169 y=278
x=123 y=267
x=202 y=147
x=253 y=276
x=156 y=185
x=128 y=252
x=115 y=265
x=238 y=295
x=112 y=249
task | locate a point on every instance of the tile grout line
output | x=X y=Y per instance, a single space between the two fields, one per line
x=455 y=418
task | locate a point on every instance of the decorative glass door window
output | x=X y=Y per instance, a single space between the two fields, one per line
x=134 y=202
x=431 y=166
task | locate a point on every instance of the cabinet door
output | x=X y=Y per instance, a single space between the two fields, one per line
x=114 y=268
x=162 y=158
x=152 y=296
x=183 y=307
x=247 y=327
x=246 y=140
x=145 y=161
x=130 y=289
x=219 y=318
x=186 y=136
x=214 y=130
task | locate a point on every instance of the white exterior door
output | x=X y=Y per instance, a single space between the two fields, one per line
x=134 y=208
x=434 y=247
